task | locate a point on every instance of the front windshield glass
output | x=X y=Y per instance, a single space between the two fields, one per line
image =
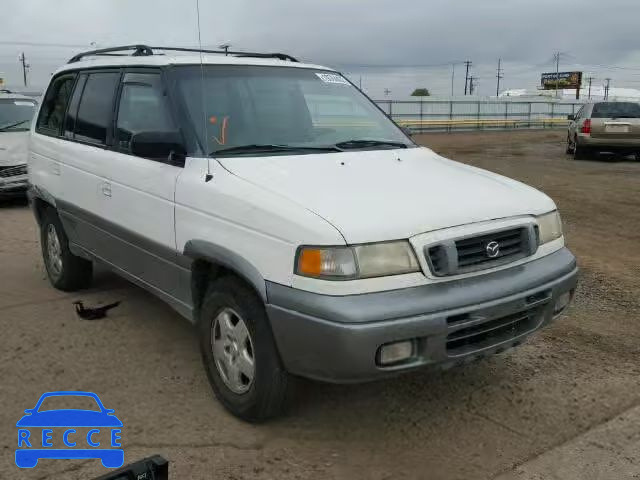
x=283 y=106
x=15 y=114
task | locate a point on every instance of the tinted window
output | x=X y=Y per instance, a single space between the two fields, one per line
x=72 y=111
x=616 y=110
x=96 y=106
x=55 y=105
x=16 y=114
x=143 y=108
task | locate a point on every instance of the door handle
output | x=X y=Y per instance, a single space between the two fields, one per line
x=106 y=189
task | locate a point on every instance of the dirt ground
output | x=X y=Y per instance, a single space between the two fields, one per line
x=479 y=421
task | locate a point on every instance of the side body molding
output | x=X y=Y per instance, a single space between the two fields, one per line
x=204 y=250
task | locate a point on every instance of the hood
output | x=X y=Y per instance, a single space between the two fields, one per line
x=13 y=148
x=390 y=194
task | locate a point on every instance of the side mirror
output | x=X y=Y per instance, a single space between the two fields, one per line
x=163 y=146
x=571 y=117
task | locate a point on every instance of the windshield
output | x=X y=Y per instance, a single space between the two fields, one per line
x=16 y=114
x=280 y=106
x=616 y=110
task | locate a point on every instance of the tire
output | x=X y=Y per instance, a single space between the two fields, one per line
x=580 y=152
x=266 y=395
x=66 y=271
x=570 y=147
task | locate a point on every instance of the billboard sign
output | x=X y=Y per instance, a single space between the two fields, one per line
x=549 y=81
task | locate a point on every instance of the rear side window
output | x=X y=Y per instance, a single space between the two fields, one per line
x=143 y=108
x=54 y=106
x=616 y=110
x=96 y=107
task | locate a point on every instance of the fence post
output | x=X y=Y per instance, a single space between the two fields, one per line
x=450 y=114
x=553 y=113
x=506 y=114
x=478 y=116
x=421 y=124
x=529 y=116
x=391 y=109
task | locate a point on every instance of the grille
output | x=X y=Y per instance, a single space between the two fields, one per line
x=13 y=171
x=471 y=254
x=491 y=332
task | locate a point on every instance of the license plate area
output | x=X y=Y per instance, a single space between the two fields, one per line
x=609 y=128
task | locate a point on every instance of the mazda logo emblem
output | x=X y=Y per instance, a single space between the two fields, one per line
x=492 y=249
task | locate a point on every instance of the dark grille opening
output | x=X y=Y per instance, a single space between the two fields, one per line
x=491 y=332
x=13 y=171
x=438 y=260
x=472 y=252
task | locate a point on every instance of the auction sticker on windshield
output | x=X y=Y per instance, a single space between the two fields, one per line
x=92 y=431
x=332 y=78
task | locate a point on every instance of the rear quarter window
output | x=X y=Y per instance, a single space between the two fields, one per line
x=54 y=106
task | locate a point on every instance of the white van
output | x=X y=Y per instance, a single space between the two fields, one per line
x=275 y=206
x=16 y=112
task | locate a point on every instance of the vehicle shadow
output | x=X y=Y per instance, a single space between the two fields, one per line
x=17 y=202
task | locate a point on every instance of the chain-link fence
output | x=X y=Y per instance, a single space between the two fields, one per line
x=450 y=114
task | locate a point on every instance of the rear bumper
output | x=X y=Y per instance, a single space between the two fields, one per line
x=610 y=142
x=336 y=339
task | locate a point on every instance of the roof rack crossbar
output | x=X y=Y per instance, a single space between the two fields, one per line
x=145 y=50
x=138 y=51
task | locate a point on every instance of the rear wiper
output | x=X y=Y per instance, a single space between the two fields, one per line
x=266 y=148
x=369 y=143
x=7 y=127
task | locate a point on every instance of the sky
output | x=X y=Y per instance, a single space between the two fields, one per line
x=385 y=44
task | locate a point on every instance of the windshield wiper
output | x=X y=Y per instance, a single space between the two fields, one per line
x=364 y=143
x=267 y=148
x=7 y=127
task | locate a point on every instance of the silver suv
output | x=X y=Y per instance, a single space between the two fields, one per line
x=604 y=127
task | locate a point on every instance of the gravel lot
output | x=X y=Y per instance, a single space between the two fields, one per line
x=477 y=422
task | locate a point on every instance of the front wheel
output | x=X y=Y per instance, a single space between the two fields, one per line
x=239 y=352
x=65 y=271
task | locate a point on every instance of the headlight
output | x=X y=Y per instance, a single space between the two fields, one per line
x=359 y=261
x=549 y=227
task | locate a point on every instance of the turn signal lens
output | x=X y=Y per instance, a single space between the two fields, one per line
x=332 y=262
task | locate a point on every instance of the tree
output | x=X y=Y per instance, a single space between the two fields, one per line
x=421 y=92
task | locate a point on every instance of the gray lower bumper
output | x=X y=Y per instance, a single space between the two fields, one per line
x=336 y=339
x=16 y=185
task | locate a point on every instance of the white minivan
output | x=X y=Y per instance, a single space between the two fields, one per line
x=16 y=112
x=275 y=206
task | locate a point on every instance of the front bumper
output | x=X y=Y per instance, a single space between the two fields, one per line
x=13 y=185
x=336 y=338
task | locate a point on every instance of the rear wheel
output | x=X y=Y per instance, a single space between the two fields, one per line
x=239 y=352
x=570 y=146
x=66 y=271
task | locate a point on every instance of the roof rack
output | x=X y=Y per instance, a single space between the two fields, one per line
x=144 y=51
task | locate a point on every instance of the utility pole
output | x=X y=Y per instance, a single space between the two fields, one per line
x=453 y=74
x=499 y=76
x=472 y=87
x=466 y=76
x=606 y=89
x=25 y=66
x=556 y=57
x=386 y=92
x=590 y=79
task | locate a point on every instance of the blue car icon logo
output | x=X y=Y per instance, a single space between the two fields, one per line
x=37 y=429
